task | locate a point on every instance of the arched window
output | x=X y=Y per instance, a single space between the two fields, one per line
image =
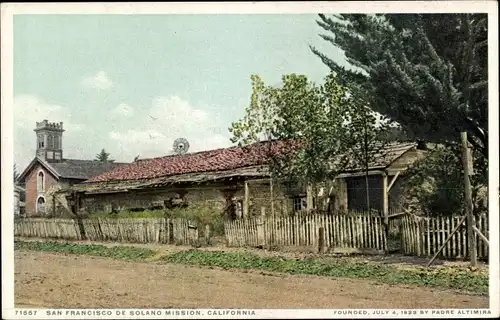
x=40 y=141
x=40 y=205
x=40 y=181
x=56 y=142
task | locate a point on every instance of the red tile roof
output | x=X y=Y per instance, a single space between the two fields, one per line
x=205 y=161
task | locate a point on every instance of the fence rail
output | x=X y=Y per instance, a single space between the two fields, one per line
x=342 y=231
x=424 y=236
x=146 y=230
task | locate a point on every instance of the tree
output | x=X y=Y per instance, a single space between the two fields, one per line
x=103 y=156
x=427 y=72
x=324 y=119
x=434 y=185
x=365 y=129
x=16 y=174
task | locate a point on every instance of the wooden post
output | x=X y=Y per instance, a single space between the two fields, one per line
x=321 y=240
x=53 y=205
x=467 y=164
x=309 y=197
x=385 y=194
x=207 y=234
x=246 y=201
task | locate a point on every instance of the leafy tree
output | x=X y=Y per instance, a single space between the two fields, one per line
x=427 y=72
x=103 y=156
x=365 y=129
x=324 y=119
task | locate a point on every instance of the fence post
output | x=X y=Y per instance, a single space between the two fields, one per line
x=321 y=240
x=207 y=234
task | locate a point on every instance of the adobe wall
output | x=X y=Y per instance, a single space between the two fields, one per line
x=214 y=194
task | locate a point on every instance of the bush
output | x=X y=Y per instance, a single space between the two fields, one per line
x=202 y=214
x=435 y=184
x=127 y=214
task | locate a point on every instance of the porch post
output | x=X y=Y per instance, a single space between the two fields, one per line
x=246 y=201
x=385 y=193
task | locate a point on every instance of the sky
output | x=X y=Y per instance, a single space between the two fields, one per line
x=132 y=84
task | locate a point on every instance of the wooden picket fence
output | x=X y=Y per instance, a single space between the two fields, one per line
x=424 y=236
x=140 y=230
x=341 y=231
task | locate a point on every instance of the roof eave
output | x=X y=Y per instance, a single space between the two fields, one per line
x=23 y=175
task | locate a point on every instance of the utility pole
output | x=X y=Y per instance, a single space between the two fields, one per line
x=471 y=223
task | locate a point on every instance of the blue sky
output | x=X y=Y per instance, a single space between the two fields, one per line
x=105 y=75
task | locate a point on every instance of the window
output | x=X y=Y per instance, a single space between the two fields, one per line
x=40 y=141
x=40 y=181
x=40 y=205
x=299 y=203
x=50 y=141
x=57 y=142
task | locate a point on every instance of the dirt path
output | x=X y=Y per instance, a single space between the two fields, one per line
x=53 y=280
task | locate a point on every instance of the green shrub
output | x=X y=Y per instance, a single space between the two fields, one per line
x=203 y=214
x=128 y=214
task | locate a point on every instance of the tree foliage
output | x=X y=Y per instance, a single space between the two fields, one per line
x=427 y=72
x=327 y=119
x=103 y=156
x=435 y=183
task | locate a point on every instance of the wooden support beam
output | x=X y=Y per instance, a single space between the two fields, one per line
x=393 y=180
x=446 y=241
x=385 y=194
x=482 y=236
x=359 y=174
x=246 y=201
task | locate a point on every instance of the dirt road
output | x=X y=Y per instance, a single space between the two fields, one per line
x=53 y=280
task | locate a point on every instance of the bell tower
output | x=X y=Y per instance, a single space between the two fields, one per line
x=49 y=140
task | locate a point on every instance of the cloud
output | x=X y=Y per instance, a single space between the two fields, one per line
x=123 y=110
x=169 y=118
x=28 y=110
x=99 y=81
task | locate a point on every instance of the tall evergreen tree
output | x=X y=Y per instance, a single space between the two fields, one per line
x=103 y=156
x=16 y=174
x=427 y=72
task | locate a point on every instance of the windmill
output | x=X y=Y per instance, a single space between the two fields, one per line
x=181 y=146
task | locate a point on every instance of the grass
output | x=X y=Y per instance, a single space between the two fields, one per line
x=462 y=280
x=440 y=278
x=118 y=252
